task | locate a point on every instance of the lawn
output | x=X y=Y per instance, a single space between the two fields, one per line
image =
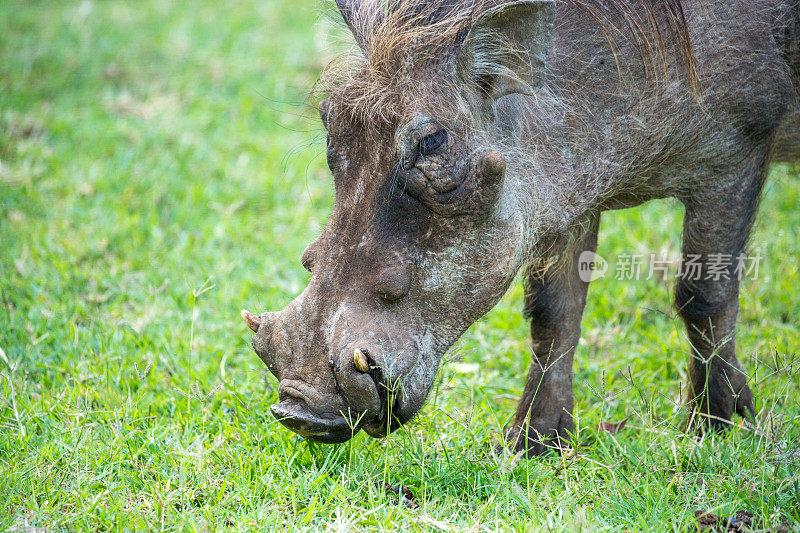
x=159 y=170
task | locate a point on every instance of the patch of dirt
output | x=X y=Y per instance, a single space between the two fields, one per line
x=741 y=521
x=707 y=521
x=404 y=494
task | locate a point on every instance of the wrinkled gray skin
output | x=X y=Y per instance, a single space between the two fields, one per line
x=400 y=273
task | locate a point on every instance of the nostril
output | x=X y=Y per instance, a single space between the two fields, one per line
x=393 y=284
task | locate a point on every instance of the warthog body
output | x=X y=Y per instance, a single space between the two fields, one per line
x=476 y=139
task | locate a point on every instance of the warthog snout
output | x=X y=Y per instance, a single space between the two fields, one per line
x=329 y=388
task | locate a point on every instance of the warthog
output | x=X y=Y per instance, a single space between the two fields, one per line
x=469 y=140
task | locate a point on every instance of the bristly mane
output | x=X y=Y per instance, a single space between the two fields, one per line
x=396 y=37
x=408 y=34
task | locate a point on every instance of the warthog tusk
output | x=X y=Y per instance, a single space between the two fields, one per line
x=360 y=360
x=252 y=320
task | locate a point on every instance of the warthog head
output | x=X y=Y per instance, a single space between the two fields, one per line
x=428 y=229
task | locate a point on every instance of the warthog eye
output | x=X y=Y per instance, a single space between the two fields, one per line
x=430 y=143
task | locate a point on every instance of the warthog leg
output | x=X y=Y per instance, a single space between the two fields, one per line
x=716 y=228
x=554 y=302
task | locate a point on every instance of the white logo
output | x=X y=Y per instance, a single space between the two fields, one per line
x=591 y=266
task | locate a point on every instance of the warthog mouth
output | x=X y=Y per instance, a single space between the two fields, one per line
x=294 y=410
x=359 y=385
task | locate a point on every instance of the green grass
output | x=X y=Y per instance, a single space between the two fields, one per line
x=158 y=172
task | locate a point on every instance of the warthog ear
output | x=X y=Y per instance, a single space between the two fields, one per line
x=506 y=48
x=362 y=17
